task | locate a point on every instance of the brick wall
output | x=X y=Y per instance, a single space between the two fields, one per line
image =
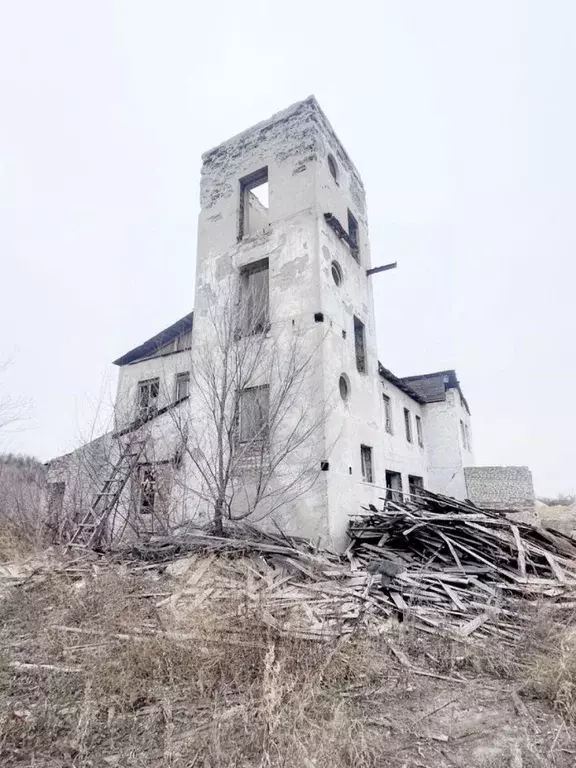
x=501 y=487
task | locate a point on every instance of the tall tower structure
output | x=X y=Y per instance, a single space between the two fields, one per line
x=283 y=205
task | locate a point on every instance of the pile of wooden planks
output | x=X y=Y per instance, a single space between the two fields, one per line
x=444 y=565
x=458 y=568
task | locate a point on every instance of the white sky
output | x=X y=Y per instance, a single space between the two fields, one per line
x=460 y=116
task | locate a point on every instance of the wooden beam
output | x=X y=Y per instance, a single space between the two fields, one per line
x=383 y=268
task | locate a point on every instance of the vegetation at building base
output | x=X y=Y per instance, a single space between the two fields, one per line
x=144 y=664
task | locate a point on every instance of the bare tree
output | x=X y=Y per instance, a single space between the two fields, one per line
x=253 y=434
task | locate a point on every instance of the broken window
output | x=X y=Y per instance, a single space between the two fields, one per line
x=253 y=407
x=360 y=343
x=148 y=392
x=254 y=298
x=182 y=385
x=419 y=433
x=147 y=489
x=393 y=486
x=366 y=462
x=353 y=236
x=387 y=414
x=254 y=204
x=415 y=484
x=408 y=424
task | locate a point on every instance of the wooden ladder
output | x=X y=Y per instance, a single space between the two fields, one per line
x=92 y=527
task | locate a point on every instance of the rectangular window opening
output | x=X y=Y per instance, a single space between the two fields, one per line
x=148 y=392
x=415 y=484
x=353 y=236
x=408 y=424
x=387 y=414
x=393 y=486
x=463 y=432
x=254 y=298
x=182 y=385
x=253 y=412
x=147 y=489
x=419 y=433
x=360 y=344
x=366 y=462
x=254 y=212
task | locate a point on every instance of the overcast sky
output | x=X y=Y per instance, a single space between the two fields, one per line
x=459 y=114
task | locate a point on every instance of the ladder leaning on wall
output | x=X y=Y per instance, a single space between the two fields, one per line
x=93 y=529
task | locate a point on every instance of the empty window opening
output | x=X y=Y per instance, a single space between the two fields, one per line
x=353 y=236
x=387 y=414
x=148 y=392
x=324 y=466
x=333 y=167
x=253 y=408
x=182 y=385
x=419 y=433
x=468 y=441
x=415 y=484
x=336 y=273
x=393 y=486
x=254 y=212
x=254 y=298
x=366 y=462
x=408 y=424
x=344 y=387
x=319 y=317
x=343 y=333
x=147 y=490
x=360 y=343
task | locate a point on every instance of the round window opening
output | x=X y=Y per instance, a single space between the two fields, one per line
x=336 y=273
x=344 y=386
x=333 y=167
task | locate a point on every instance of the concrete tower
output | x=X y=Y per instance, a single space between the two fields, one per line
x=284 y=201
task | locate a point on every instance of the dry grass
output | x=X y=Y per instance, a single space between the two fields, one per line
x=155 y=700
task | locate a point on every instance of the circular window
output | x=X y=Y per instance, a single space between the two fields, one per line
x=336 y=273
x=344 y=387
x=333 y=167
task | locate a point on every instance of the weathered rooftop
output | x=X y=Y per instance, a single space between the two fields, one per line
x=148 y=348
x=432 y=387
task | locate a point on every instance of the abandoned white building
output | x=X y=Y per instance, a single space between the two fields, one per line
x=268 y=401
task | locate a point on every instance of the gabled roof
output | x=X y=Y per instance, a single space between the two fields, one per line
x=148 y=348
x=431 y=387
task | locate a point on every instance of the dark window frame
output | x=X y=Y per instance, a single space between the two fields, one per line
x=367 y=463
x=150 y=407
x=184 y=376
x=360 y=345
x=388 y=420
x=247 y=325
x=354 y=236
x=408 y=425
x=261 y=431
x=419 y=431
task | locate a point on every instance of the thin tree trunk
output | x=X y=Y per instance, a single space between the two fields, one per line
x=218 y=516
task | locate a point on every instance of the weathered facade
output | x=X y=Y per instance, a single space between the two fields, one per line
x=283 y=243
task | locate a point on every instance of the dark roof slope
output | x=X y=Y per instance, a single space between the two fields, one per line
x=400 y=383
x=432 y=386
x=153 y=345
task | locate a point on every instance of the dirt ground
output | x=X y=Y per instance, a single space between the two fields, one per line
x=99 y=668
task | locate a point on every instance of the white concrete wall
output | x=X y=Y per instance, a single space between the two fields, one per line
x=165 y=368
x=446 y=452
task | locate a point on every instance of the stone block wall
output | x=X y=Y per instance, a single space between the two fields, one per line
x=501 y=488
